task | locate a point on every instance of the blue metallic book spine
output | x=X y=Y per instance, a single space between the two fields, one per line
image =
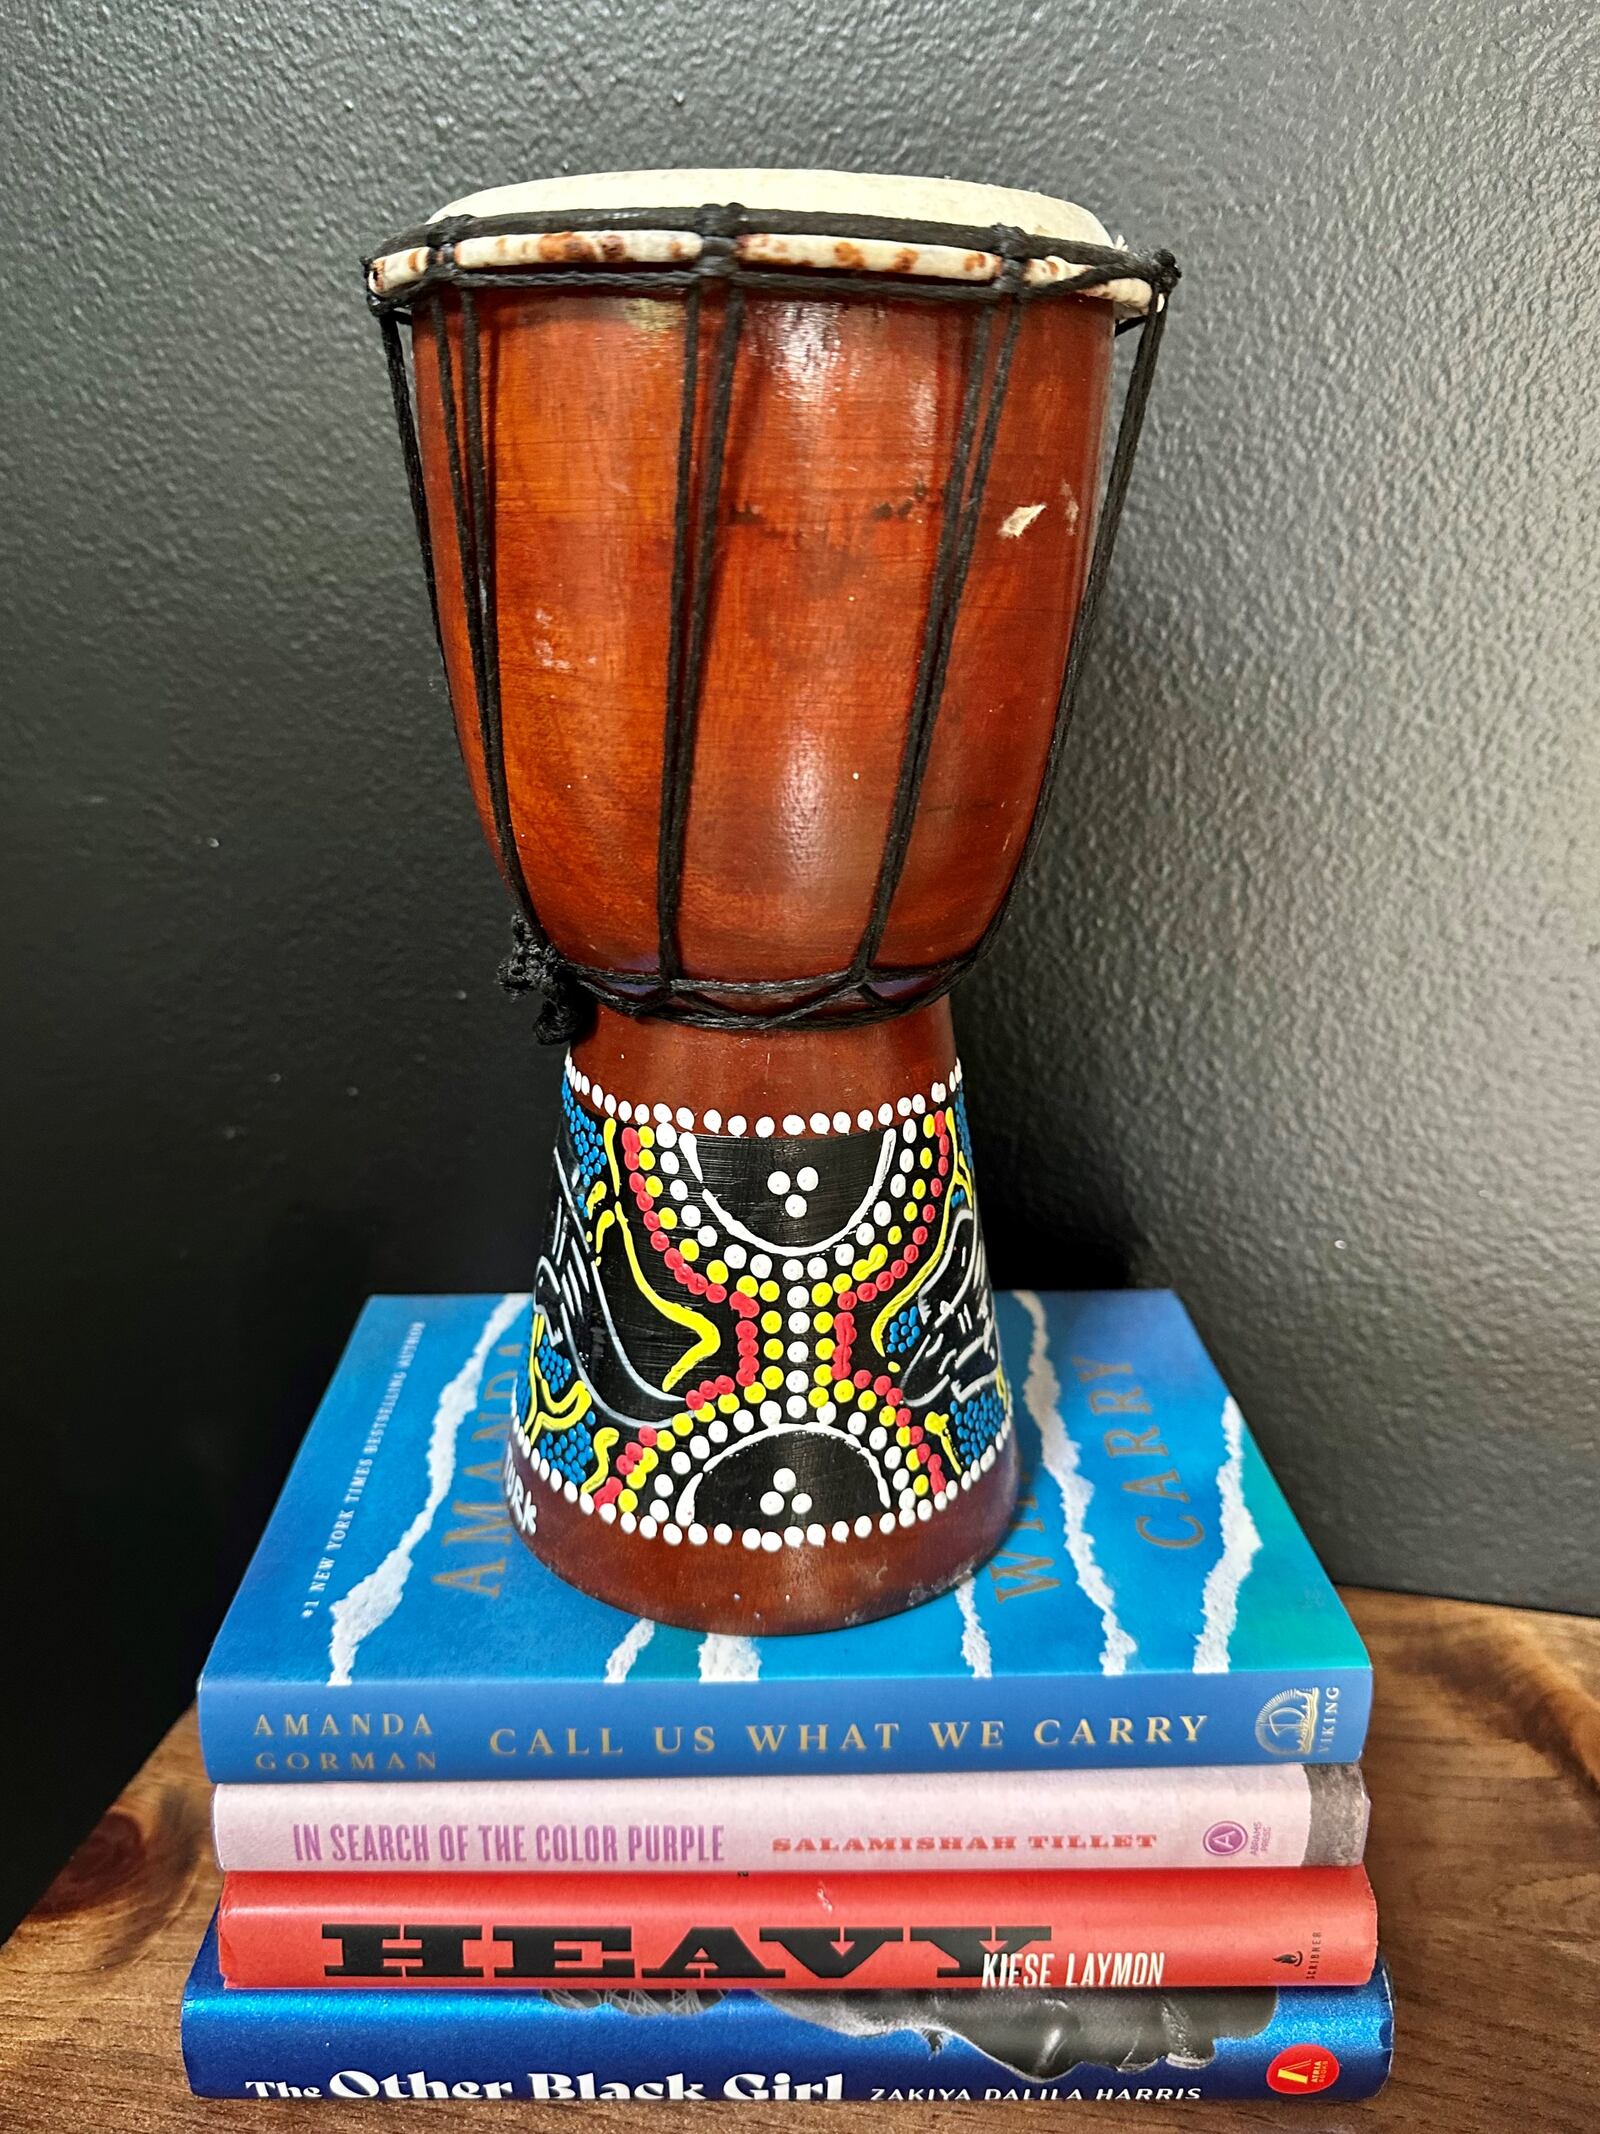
x=1333 y=2044
x=453 y=1729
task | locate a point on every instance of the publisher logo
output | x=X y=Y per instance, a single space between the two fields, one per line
x=1287 y=1724
x=1302 y=2070
x=1225 y=1840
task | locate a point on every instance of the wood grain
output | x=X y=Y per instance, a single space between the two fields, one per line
x=843 y=415
x=1485 y=1852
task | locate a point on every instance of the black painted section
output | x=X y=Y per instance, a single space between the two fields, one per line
x=1299 y=1013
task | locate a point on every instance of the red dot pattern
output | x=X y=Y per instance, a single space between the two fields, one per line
x=746 y=1311
x=844 y=1328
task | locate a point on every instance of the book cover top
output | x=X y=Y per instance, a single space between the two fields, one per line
x=1150 y=1540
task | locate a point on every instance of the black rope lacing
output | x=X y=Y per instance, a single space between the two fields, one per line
x=533 y=966
x=863 y=990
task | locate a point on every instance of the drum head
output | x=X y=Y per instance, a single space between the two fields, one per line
x=937 y=229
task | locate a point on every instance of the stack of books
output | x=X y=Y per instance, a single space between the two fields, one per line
x=1091 y=1826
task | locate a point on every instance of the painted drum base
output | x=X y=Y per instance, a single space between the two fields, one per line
x=764 y=1390
x=754 y=1592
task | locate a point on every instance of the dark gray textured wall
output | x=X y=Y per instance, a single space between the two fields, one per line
x=1299 y=1014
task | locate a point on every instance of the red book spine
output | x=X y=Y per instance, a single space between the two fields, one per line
x=788 y=1933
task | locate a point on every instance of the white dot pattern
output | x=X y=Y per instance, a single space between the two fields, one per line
x=681 y=1120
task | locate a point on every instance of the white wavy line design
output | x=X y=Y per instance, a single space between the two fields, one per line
x=1041 y=1389
x=373 y=1599
x=1240 y=1541
x=729 y=1659
x=974 y=1638
x=619 y=1662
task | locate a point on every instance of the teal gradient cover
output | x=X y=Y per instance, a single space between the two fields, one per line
x=1155 y=1601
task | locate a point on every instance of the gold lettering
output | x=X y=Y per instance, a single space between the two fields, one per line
x=1087 y=1369
x=263 y=1725
x=1049 y=1740
x=887 y=1730
x=572 y=1743
x=765 y=1740
x=1191 y=1727
x=663 y=1746
x=991 y=1734
x=1110 y=1401
x=948 y=1733
x=852 y=1739
x=1156 y=1486
x=704 y=1741
x=1146 y=1532
x=1033 y=1525
x=1119 y=1734
x=297 y=1723
x=1139 y=1442
x=1014 y=1577
x=1083 y=1735
x=474 y=1577
x=813 y=1737
x=540 y=1744
x=502 y=1742
x=1157 y=1729
x=491 y=1522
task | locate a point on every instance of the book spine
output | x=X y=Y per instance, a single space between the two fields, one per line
x=1152 y=2048
x=795 y=1934
x=259 y=1732
x=1246 y=1817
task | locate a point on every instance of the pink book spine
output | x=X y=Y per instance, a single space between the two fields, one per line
x=1251 y=1816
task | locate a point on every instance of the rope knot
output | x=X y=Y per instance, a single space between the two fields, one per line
x=533 y=966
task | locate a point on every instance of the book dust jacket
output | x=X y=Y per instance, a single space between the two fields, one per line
x=1155 y=1601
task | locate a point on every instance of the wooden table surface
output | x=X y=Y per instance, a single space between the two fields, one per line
x=1484 y=1765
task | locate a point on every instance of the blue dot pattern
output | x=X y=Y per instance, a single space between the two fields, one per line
x=571 y=1451
x=555 y=1368
x=963 y=1131
x=975 y=1424
x=584 y=1133
x=904 y=1331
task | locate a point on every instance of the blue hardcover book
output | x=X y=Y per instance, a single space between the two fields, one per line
x=1326 y=2042
x=1155 y=1601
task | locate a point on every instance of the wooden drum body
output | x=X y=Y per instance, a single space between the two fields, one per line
x=758 y=536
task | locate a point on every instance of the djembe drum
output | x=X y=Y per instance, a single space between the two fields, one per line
x=759 y=510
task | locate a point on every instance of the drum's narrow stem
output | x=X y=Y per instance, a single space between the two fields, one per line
x=764 y=1389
